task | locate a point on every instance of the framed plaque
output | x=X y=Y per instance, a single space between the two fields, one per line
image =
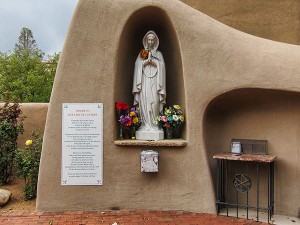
x=236 y=147
x=82 y=144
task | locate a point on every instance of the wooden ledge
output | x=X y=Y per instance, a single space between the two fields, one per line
x=164 y=143
x=245 y=157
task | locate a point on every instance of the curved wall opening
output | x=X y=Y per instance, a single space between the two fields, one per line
x=271 y=115
x=130 y=44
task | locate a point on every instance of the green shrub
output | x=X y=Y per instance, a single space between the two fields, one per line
x=27 y=162
x=11 y=127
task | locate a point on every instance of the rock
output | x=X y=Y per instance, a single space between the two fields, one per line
x=4 y=196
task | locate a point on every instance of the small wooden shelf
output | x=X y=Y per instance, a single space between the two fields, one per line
x=163 y=143
x=245 y=157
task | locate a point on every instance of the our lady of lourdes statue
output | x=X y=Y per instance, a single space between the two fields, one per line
x=149 y=87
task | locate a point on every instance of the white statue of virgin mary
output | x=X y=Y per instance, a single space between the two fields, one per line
x=149 y=87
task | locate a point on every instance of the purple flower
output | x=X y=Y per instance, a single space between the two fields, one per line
x=124 y=119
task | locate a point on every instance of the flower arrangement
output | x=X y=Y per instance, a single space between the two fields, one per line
x=144 y=54
x=130 y=119
x=171 y=117
x=128 y=116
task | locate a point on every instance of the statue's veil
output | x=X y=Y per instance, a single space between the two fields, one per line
x=156 y=40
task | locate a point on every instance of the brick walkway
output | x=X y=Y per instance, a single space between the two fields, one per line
x=123 y=217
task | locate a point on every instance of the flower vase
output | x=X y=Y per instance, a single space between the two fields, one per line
x=132 y=133
x=121 y=133
x=169 y=132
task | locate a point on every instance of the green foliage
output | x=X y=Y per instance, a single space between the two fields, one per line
x=24 y=75
x=10 y=127
x=27 y=78
x=27 y=162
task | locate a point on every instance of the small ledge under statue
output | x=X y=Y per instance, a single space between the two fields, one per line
x=149 y=87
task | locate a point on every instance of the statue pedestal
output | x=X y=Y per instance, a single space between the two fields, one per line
x=151 y=135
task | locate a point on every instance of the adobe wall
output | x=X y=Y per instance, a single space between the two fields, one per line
x=270 y=115
x=36 y=114
x=214 y=59
x=276 y=20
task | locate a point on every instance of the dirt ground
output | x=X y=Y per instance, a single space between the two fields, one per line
x=17 y=201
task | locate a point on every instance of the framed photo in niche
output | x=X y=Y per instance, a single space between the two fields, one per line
x=236 y=147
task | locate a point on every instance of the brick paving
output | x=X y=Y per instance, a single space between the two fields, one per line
x=123 y=217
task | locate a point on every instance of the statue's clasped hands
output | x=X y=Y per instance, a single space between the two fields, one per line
x=149 y=61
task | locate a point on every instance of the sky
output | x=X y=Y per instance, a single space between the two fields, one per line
x=48 y=20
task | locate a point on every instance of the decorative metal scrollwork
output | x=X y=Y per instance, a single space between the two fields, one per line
x=242 y=183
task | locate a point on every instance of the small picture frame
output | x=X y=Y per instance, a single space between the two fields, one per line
x=236 y=147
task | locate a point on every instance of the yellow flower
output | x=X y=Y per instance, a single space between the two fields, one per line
x=28 y=142
x=135 y=120
x=181 y=117
x=167 y=111
x=176 y=106
x=132 y=114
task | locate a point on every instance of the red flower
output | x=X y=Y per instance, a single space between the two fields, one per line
x=167 y=124
x=128 y=124
x=122 y=106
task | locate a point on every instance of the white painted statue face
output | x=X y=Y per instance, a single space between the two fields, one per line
x=150 y=41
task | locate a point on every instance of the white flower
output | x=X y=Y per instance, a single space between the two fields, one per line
x=175 y=118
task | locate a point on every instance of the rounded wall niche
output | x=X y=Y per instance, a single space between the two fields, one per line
x=130 y=44
x=272 y=115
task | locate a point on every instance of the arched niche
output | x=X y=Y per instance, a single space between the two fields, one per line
x=272 y=115
x=130 y=44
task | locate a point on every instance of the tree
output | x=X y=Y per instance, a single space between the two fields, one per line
x=27 y=78
x=23 y=74
x=27 y=43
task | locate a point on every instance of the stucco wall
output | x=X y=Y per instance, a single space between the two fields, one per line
x=277 y=20
x=260 y=114
x=36 y=114
x=215 y=60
